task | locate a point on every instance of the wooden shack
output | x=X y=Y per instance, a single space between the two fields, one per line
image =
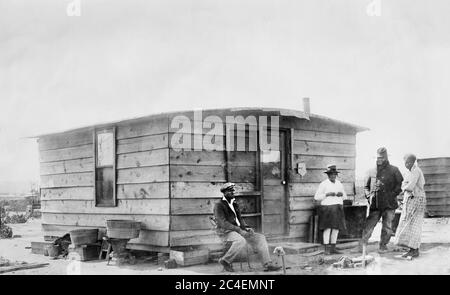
x=134 y=169
x=437 y=185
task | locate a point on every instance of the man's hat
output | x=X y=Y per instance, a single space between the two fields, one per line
x=381 y=152
x=331 y=169
x=227 y=186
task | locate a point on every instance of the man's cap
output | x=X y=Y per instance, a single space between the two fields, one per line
x=381 y=152
x=331 y=169
x=227 y=186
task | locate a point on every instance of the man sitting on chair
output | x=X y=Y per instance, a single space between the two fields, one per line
x=234 y=229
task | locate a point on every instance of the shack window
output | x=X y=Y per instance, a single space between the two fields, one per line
x=105 y=168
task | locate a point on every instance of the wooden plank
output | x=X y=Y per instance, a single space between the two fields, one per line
x=147 y=127
x=67 y=180
x=309 y=189
x=437 y=178
x=435 y=169
x=65 y=140
x=143 y=175
x=273 y=207
x=273 y=224
x=197 y=173
x=321 y=136
x=321 y=162
x=190 y=222
x=204 y=158
x=206 y=206
x=437 y=187
x=137 y=206
x=243 y=174
x=68 y=166
x=150 y=222
x=193 y=237
x=317 y=124
x=300 y=217
x=143 y=143
x=190 y=257
x=317 y=175
x=143 y=159
x=273 y=192
x=324 y=149
x=208 y=144
x=441 y=194
x=203 y=189
x=301 y=203
x=71 y=153
x=69 y=193
x=298 y=230
x=155 y=190
x=152 y=237
x=433 y=162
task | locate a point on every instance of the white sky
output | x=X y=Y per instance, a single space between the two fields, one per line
x=122 y=59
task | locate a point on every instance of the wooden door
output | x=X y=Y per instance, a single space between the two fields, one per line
x=274 y=182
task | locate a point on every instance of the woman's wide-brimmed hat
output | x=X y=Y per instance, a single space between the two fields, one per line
x=331 y=169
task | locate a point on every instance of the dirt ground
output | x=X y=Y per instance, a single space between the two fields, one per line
x=434 y=258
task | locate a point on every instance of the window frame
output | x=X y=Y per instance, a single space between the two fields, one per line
x=113 y=166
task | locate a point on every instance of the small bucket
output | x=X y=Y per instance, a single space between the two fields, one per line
x=53 y=250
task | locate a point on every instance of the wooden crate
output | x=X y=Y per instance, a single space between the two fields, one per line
x=190 y=257
x=39 y=247
x=85 y=252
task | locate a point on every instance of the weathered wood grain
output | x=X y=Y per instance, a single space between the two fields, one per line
x=435 y=169
x=324 y=149
x=204 y=189
x=155 y=190
x=137 y=206
x=65 y=140
x=437 y=178
x=67 y=180
x=197 y=173
x=193 y=237
x=321 y=162
x=143 y=143
x=300 y=217
x=321 y=136
x=143 y=159
x=71 y=153
x=69 y=193
x=309 y=189
x=437 y=187
x=433 y=162
x=143 y=175
x=147 y=127
x=67 y=166
x=317 y=175
x=301 y=203
x=190 y=222
x=247 y=204
x=298 y=230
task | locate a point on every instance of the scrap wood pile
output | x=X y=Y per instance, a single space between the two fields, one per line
x=347 y=262
x=9 y=266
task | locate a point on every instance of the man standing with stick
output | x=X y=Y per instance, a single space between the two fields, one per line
x=382 y=187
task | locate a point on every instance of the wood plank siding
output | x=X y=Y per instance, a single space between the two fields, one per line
x=67 y=181
x=437 y=183
x=172 y=190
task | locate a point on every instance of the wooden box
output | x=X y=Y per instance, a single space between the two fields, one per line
x=190 y=257
x=84 y=252
x=39 y=247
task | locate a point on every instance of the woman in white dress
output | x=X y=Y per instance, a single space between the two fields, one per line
x=331 y=193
